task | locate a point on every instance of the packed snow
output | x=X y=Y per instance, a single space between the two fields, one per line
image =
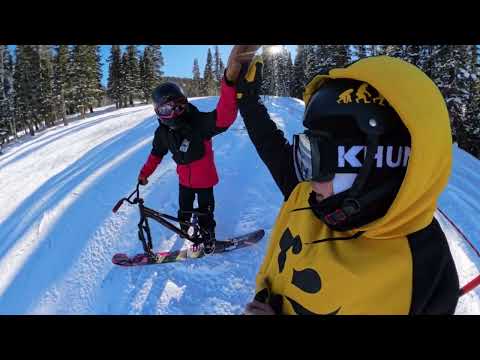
x=58 y=232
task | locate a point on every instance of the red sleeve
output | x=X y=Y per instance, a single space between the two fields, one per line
x=227 y=105
x=150 y=166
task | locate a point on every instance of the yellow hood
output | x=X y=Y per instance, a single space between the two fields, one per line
x=422 y=108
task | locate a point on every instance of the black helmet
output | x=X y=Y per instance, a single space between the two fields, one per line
x=169 y=102
x=346 y=119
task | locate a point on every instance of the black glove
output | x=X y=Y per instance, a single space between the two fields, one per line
x=275 y=301
x=250 y=81
x=142 y=180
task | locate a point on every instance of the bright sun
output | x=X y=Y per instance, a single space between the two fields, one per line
x=275 y=49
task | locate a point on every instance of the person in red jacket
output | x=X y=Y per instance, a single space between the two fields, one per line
x=187 y=133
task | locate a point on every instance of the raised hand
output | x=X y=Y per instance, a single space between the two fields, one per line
x=240 y=54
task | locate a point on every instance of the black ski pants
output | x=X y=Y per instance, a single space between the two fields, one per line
x=206 y=204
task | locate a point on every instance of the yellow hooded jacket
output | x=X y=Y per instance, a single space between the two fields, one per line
x=401 y=264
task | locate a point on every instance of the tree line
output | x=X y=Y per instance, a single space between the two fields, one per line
x=43 y=84
x=453 y=68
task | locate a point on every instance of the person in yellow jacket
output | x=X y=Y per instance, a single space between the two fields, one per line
x=356 y=233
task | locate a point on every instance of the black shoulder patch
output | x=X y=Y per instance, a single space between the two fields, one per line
x=307 y=280
x=282 y=257
x=297 y=245
x=287 y=240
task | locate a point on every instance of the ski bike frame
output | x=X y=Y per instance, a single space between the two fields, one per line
x=194 y=233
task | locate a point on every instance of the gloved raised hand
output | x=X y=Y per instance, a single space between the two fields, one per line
x=240 y=54
x=250 y=81
x=142 y=180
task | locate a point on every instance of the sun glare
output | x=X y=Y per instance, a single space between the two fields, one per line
x=275 y=49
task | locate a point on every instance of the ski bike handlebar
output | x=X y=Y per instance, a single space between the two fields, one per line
x=135 y=201
x=194 y=233
x=138 y=199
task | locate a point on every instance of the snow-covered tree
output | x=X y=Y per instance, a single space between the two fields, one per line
x=132 y=74
x=150 y=66
x=360 y=51
x=61 y=83
x=84 y=67
x=197 y=80
x=472 y=120
x=331 y=56
x=450 y=73
x=123 y=86
x=289 y=74
x=209 y=85
x=299 y=77
x=46 y=101
x=24 y=99
x=219 y=67
x=7 y=119
x=114 y=75
x=312 y=66
x=412 y=54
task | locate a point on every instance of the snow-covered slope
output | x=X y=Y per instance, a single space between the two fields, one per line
x=57 y=231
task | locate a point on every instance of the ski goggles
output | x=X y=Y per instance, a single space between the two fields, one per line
x=314 y=156
x=171 y=109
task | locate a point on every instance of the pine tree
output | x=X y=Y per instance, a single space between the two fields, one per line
x=143 y=63
x=322 y=62
x=412 y=54
x=7 y=120
x=8 y=87
x=289 y=75
x=311 y=60
x=269 y=83
x=380 y=49
x=123 y=83
x=284 y=67
x=24 y=102
x=45 y=90
x=114 y=75
x=209 y=85
x=133 y=74
x=341 y=55
x=427 y=59
x=395 y=51
x=96 y=84
x=86 y=77
x=80 y=83
x=3 y=95
x=450 y=73
x=299 y=78
x=219 y=68
x=197 y=80
x=158 y=62
x=330 y=57
x=33 y=58
x=61 y=82
x=150 y=70
x=472 y=119
x=360 y=51
x=375 y=50
x=3 y=54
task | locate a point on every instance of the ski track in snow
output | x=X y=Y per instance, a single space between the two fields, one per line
x=58 y=234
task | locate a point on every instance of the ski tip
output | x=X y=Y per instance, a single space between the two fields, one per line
x=120 y=259
x=260 y=232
